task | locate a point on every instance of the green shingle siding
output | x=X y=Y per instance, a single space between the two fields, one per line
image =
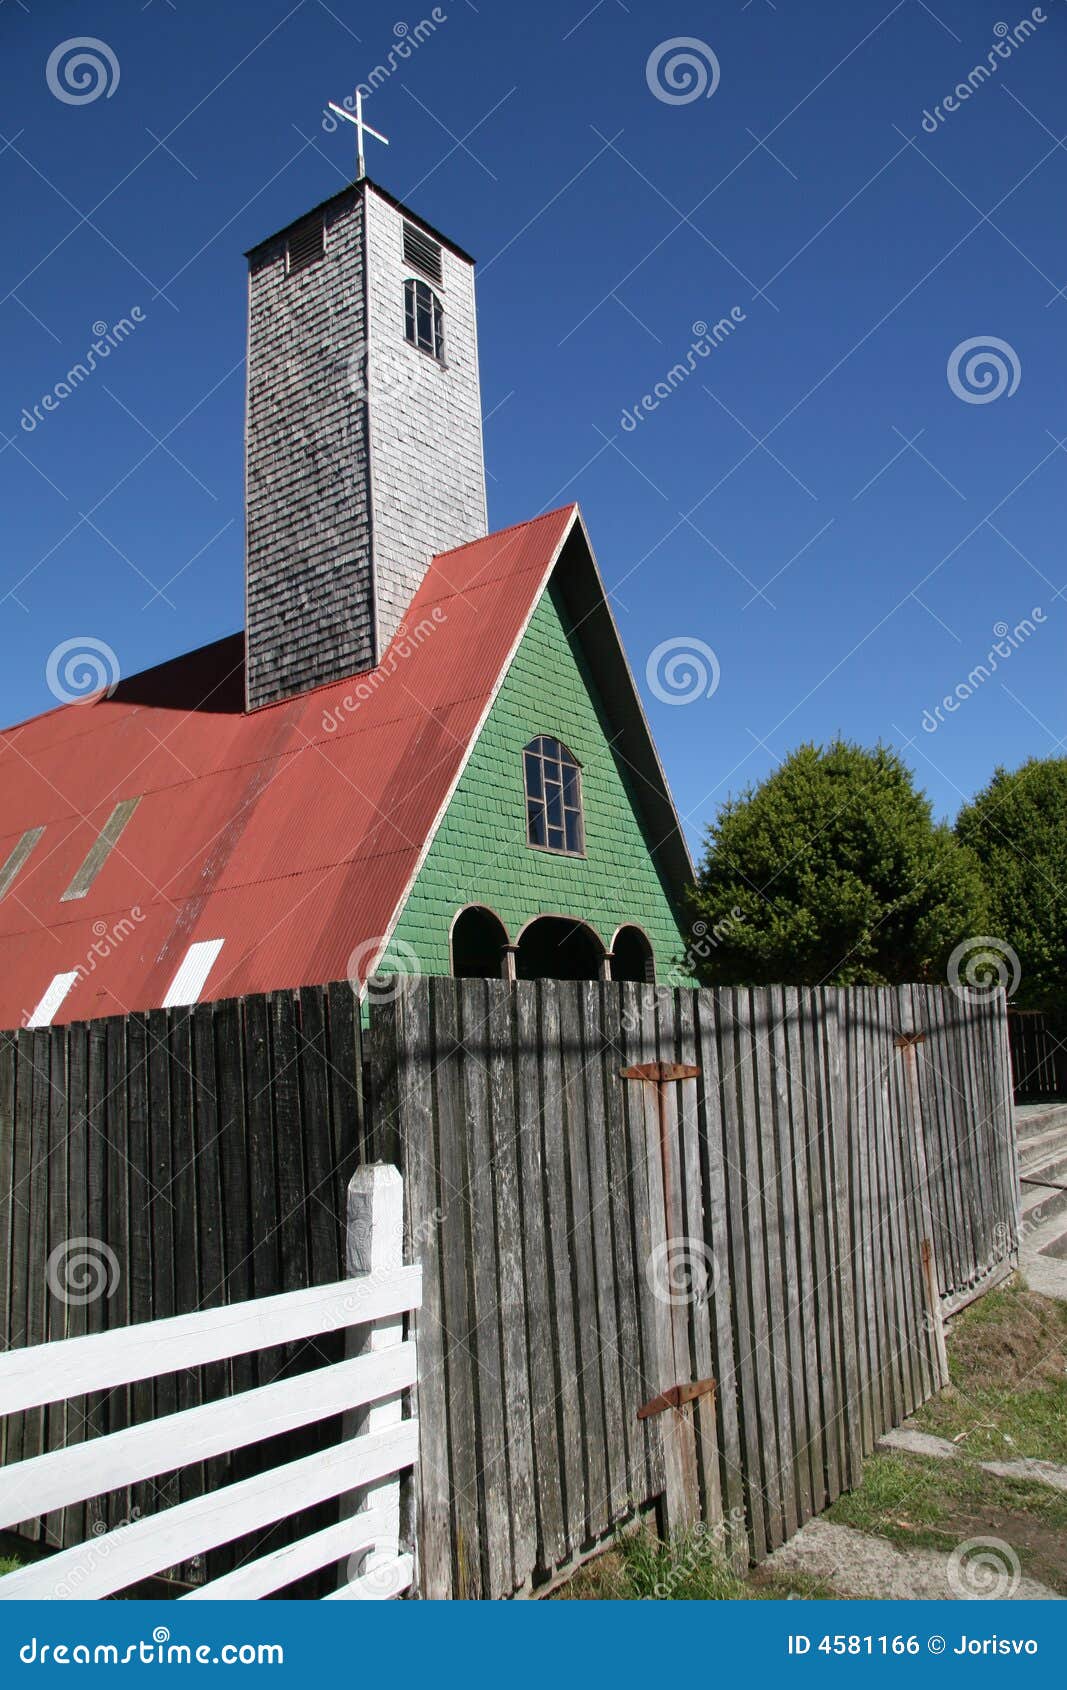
x=480 y=854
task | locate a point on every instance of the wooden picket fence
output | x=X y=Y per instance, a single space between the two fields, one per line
x=683 y=1250
x=362 y=1469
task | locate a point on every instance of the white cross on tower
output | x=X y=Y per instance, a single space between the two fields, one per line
x=356 y=117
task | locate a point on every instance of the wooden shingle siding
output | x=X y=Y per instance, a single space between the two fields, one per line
x=363 y=454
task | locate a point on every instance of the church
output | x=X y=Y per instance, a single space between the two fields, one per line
x=425 y=753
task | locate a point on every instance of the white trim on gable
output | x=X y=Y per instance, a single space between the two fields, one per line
x=192 y=974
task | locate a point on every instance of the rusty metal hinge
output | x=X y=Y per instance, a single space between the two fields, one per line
x=676 y=1397
x=660 y=1071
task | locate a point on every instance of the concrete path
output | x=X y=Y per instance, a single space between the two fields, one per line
x=856 y=1565
x=910 y=1441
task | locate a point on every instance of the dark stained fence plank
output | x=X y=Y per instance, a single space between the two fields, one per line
x=78 y=1271
x=45 y=1312
x=8 y=1064
x=210 y=1233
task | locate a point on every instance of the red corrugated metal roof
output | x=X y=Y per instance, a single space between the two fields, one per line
x=292 y=833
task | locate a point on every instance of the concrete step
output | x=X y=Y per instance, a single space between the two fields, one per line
x=1043 y=1147
x=1047 y=1232
x=1049 y=1169
x=1040 y=1203
x=1032 y=1119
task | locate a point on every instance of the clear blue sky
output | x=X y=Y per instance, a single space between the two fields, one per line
x=861 y=249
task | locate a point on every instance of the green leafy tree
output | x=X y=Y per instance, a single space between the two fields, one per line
x=1017 y=828
x=833 y=872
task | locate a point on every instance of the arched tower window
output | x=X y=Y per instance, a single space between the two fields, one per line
x=424 y=318
x=553 y=797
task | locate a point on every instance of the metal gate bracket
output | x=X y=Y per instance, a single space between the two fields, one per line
x=904 y=1041
x=658 y=1072
x=677 y=1397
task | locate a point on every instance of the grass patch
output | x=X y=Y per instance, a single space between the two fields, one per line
x=920 y=1502
x=640 y=1568
x=1008 y=1366
x=8 y=1564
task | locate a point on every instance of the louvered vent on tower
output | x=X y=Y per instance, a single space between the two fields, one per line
x=305 y=245
x=421 y=252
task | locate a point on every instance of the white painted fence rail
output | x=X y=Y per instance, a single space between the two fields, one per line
x=371 y=1389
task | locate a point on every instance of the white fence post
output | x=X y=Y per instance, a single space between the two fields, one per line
x=376 y=1246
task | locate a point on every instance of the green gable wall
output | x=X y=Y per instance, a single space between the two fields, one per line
x=480 y=855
